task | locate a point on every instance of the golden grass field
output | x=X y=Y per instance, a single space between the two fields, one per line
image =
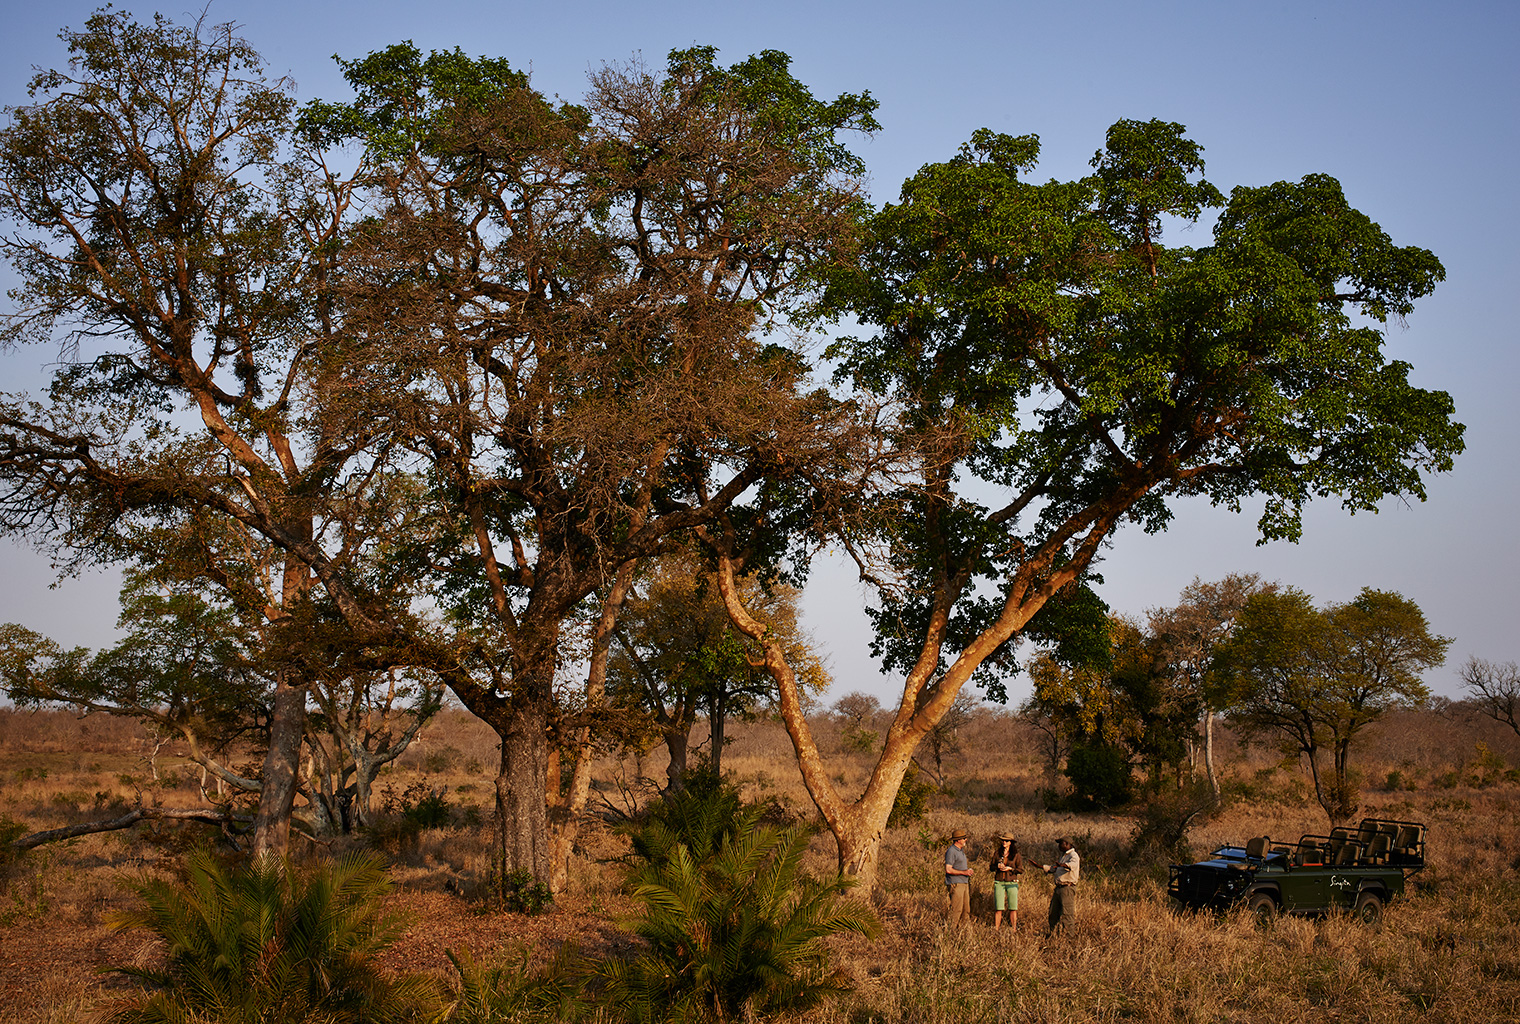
x=1450 y=951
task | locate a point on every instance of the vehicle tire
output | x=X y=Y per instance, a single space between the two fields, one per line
x=1369 y=908
x=1262 y=907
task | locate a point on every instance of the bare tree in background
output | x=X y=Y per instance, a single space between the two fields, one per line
x=1495 y=689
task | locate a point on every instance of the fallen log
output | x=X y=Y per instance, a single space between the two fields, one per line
x=84 y=828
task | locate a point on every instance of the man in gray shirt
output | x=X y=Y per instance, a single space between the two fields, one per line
x=958 y=879
x=1065 y=873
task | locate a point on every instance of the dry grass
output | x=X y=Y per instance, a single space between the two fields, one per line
x=1449 y=952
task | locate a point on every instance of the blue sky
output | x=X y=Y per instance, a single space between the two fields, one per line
x=1413 y=106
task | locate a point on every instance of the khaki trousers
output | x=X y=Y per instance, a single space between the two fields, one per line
x=1063 y=906
x=960 y=904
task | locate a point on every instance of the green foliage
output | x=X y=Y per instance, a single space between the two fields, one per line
x=1063 y=371
x=265 y=942
x=738 y=932
x=517 y=991
x=912 y=796
x=10 y=831
x=430 y=811
x=24 y=881
x=697 y=818
x=1317 y=677
x=520 y=894
x=1100 y=774
x=734 y=924
x=857 y=740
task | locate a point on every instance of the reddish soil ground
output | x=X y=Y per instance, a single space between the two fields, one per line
x=43 y=965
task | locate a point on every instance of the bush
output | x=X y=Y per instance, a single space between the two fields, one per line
x=430 y=811
x=699 y=817
x=1166 y=818
x=1099 y=774
x=517 y=992
x=736 y=935
x=912 y=795
x=268 y=942
x=10 y=831
x=522 y=895
x=858 y=741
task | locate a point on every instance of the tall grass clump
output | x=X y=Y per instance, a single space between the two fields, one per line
x=516 y=991
x=267 y=942
x=735 y=928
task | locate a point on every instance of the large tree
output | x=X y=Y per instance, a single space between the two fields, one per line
x=1058 y=371
x=168 y=235
x=1317 y=678
x=508 y=352
x=559 y=307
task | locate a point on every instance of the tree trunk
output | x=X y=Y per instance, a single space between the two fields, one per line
x=1345 y=801
x=521 y=811
x=1325 y=802
x=277 y=796
x=1208 y=751
x=927 y=698
x=717 y=720
x=574 y=803
x=677 y=741
x=287 y=724
x=365 y=770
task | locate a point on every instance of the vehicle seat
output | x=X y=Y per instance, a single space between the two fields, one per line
x=1377 y=853
x=1346 y=855
x=1257 y=848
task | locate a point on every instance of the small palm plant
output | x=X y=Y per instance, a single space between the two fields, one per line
x=737 y=933
x=699 y=817
x=265 y=942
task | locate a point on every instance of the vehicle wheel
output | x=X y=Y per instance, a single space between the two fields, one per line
x=1263 y=907
x=1369 y=908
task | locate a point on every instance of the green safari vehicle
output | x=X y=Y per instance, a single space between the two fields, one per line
x=1358 y=870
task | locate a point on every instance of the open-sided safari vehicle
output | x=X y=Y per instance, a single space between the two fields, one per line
x=1358 y=870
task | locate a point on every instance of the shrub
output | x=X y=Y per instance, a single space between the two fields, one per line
x=515 y=991
x=522 y=895
x=1099 y=774
x=268 y=942
x=10 y=831
x=912 y=795
x=1167 y=816
x=1487 y=767
x=856 y=740
x=735 y=935
x=430 y=811
x=699 y=817
x=436 y=761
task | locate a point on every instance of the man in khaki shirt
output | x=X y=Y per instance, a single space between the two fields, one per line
x=1065 y=873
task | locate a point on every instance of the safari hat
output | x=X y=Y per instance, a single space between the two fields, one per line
x=1006 y=837
x=959 y=833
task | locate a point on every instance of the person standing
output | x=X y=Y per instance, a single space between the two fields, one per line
x=1006 y=867
x=958 y=879
x=1065 y=873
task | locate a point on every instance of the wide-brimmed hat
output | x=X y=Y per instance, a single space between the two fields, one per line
x=959 y=833
x=1006 y=837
